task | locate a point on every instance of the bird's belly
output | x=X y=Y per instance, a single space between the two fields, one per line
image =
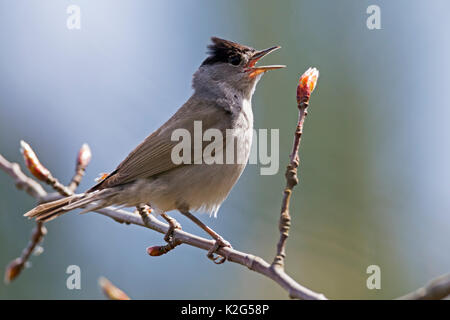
x=199 y=187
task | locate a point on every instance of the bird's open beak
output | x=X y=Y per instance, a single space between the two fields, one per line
x=254 y=71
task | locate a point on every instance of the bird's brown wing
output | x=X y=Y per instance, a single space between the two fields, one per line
x=153 y=155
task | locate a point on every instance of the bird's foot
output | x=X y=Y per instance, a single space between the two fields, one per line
x=168 y=237
x=173 y=225
x=220 y=242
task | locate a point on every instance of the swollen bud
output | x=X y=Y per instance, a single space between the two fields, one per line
x=306 y=84
x=13 y=270
x=111 y=291
x=33 y=164
x=84 y=156
x=155 y=251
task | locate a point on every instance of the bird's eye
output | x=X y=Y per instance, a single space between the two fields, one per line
x=235 y=60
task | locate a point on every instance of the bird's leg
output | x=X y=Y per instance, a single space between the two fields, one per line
x=173 y=224
x=220 y=242
x=144 y=210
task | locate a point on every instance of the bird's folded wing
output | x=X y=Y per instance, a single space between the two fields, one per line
x=154 y=155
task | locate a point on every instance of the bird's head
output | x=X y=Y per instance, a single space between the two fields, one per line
x=232 y=65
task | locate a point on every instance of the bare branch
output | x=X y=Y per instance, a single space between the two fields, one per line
x=40 y=172
x=436 y=289
x=83 y=159
x=16 y=266
x=305 y=87
x=252 y=262
x=22 y=181
x=35 y=189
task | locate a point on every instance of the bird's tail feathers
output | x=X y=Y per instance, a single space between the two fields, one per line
x=51 y=210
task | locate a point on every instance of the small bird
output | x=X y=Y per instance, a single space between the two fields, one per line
x=223 y=88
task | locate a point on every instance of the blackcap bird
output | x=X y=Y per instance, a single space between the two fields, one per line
x=223 y=88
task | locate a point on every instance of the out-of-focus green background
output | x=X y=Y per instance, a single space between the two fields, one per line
x=374 y=176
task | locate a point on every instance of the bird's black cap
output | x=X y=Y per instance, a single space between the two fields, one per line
x=225 y=51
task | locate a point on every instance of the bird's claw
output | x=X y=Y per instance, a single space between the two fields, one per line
x=173 y=224
x=218 y=259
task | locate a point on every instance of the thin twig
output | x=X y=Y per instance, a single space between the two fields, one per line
x=436 y=289
x=39 y=171
x=306 y=86
x=22 y=181
x=16 y=266
x=83 y=159
x=291 y=182
x=33 y=188
x=59 y=187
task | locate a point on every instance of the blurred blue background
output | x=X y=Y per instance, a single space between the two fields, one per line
x=374 y=176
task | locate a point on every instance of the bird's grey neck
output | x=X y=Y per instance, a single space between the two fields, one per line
x=220 y=92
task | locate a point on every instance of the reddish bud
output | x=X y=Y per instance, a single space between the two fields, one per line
x=111 y=291
x=306 y=84
x=84 y=156
x=13 y=270
x=155 y=251
x=32 y=162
